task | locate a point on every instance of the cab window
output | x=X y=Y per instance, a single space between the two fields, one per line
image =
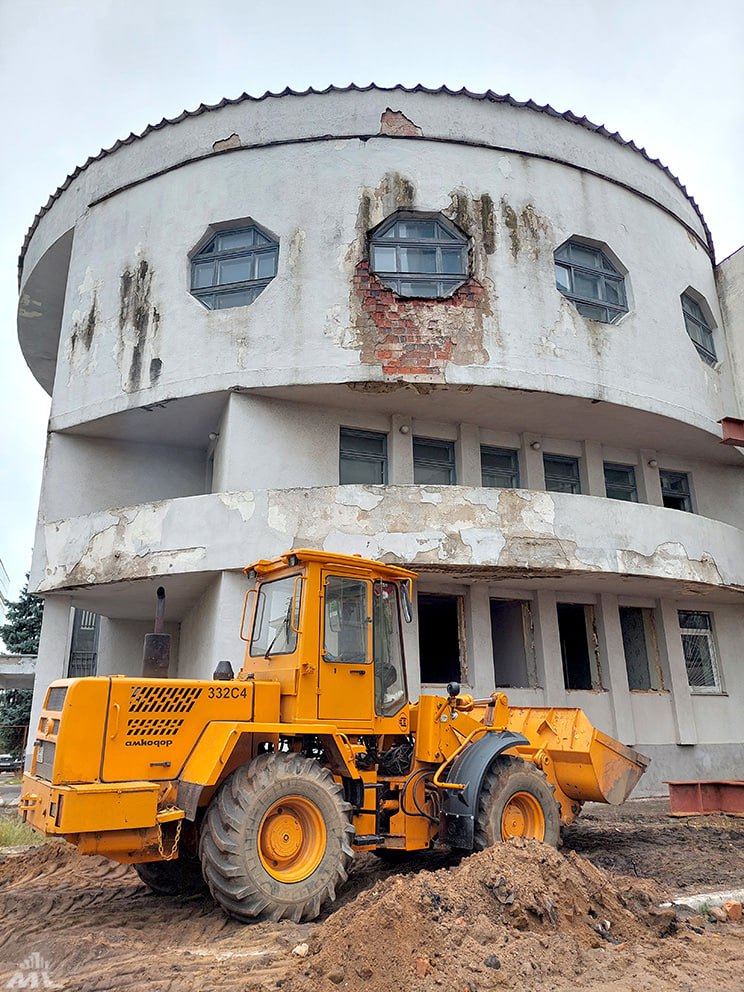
x=390 y=684
x=277 y=616
x=346 y=621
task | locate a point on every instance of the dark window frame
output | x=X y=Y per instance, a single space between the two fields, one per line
x=217 y=294
x=420 y=284
x=684 y=495
x=626 y=487
x=565 y=460
x=512 y=473
x=443 y=445
x=697 y=324
x=605 y=273
x=350 y=455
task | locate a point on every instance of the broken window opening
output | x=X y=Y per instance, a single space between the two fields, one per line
x=641 y=649
x=578 y=637
x=512 y=635
x=675 y=490
x=441 y=640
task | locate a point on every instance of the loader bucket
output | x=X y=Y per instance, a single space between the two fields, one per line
x=588 y=766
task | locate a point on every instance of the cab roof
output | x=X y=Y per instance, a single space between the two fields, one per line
x=328 y=559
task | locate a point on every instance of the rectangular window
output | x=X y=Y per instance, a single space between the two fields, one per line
x=641 y=649
x=346 y=626
x=275 y=619
x=699 y=649
x=433 y=462
x=620 y=482
x=675 y=490
x=362 y=457
x=576 y=630
x=440 y=623
x=513 y=643
x=561 y=474
x=499 y=468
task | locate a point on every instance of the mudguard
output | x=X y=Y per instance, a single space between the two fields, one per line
x=460 y=806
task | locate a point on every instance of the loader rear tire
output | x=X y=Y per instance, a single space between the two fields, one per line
x=276 y=840
x=181 y=877
x=516 y=800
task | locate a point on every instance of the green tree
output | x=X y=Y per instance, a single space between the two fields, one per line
x=15 y=711
x=23 y=627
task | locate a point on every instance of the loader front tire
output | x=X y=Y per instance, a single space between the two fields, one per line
x=516 y=800
x=276 y=840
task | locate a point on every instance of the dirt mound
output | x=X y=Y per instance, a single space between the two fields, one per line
x=514 y=911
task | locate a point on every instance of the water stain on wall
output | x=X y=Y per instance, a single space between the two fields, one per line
x=139 y=326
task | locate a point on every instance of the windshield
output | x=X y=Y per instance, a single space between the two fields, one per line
x=277 y=615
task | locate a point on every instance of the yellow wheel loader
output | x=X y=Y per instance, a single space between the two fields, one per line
x=264 y=784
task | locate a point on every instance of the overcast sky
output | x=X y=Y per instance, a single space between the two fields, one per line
x=75 y=75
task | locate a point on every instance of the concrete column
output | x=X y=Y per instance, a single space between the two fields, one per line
x=673 y=660
x=612 y=661
x=648 y=479
x=400 y=452
x=210 y=631
x=591 y=470
x=467 y=457
x=532 y=471
x=479 y=641
x=548 y=648
x=54 y=650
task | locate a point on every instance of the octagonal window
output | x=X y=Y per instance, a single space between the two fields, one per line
x=233 y=267
x=594 y=284
x=419 y=255
x=698 y=325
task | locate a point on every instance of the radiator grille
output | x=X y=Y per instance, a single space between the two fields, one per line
x=56 y=698
x=153 y=728
x=45 y=765
x=163 y=699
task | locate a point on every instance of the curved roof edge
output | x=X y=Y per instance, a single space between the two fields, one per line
x=489 y=95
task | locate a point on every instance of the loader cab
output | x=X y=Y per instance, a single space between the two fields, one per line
x=329 y=628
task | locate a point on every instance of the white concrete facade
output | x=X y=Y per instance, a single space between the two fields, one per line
x=185 y=442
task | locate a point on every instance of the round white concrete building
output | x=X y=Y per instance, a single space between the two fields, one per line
x=449 y=330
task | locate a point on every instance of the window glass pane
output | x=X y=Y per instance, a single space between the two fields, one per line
x=266 y=264
x=233 y=240
x=358 y=472
x=433 y=462
x=563 y=277
x=605 y=263
x=202 y=274
x=699 y=660
x=239 y=298
x=383 y=259
x=561 y=474
x=277 y=612
x=230 y=270
x=422 y=287
x=431 y=475
x=694 y=620
x=417 y=230
x=587 y=286
x=614 y=291
x=363 y=457
x=692 y=308
x=583 y=255
x=417 y=259
x=594 y=312
x=387 y=649
x=345 y=635
x=453 y=260
x=357 y=442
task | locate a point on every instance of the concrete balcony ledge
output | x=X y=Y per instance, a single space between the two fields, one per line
x=515 y=533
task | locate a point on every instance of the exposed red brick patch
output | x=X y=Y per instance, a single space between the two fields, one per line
x=395 y=123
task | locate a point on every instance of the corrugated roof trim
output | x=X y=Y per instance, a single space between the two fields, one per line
x=489 y=95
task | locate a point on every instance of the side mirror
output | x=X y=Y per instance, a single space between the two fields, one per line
x=405 y=592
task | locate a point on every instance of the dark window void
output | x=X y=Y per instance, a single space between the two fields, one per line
x=433 y=462
x=641 y=649
x=675 y=490
x=574 y=625
x=561 y=474
x=511 y=634
x=440 y=641
x=362 y=457
x=499 y=468
x=620 y=482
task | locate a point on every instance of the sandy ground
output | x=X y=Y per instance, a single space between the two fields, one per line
x=517 y=916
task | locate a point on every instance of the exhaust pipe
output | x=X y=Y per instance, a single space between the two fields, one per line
x=156 y=652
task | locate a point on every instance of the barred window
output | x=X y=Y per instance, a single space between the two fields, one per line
x=699 y=650
x=588 y=278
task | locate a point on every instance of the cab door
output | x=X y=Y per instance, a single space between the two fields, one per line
x=346 y=681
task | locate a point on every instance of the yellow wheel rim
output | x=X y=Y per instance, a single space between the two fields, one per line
x=523 y=817
x=291 y=839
